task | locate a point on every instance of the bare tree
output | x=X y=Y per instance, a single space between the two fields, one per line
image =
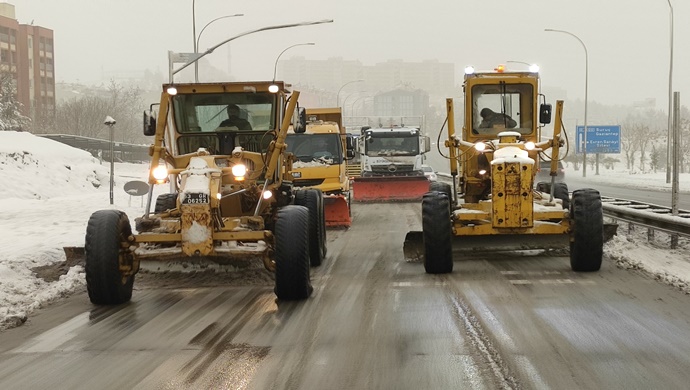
x=84 y=116
x=629 y=130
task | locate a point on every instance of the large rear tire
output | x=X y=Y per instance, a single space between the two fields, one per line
x=312 y=199
x=437 y=234
x=587 y=245
x=105 y=233
x=292 y=254
x=165 y=202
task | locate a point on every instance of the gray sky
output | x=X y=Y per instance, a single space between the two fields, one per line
x=627 y=40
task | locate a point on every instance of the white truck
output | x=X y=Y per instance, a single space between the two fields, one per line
x=391 y=159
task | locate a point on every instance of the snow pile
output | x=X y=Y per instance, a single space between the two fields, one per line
x=49 y=191
x=671 y=266
x=39 y=168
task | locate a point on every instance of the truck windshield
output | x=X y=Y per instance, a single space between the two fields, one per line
x=391 y=144
x=498 y=107
x=215 y=120
x=325 y=148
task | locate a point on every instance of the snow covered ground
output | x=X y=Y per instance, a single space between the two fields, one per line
x=50 y=190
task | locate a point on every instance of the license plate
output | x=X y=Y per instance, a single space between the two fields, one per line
x=195 y=198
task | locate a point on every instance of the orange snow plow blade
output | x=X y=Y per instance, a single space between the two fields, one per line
x=389 y=188
x=337 y=211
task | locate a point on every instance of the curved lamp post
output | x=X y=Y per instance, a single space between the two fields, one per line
x=198 y=37
x=213 y=48
x=275 y=67
x=584 y=149
x=337 y=99
x=670 y=99
x=354 y=104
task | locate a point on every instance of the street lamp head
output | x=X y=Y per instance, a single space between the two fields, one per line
x=275 y=67
x=109 y=120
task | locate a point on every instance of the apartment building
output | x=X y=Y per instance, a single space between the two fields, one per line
x=27 y=53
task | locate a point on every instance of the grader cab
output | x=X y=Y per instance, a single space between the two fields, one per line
x=492 y=203
x=220 y=147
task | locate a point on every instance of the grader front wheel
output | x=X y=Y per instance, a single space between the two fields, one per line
x=105 y=233
x=436 y=232
x=587 y=244
x=292 y=253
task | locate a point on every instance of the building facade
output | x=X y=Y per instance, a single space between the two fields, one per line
x=27 y=54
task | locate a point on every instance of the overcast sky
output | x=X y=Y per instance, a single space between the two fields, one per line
x=627 y=40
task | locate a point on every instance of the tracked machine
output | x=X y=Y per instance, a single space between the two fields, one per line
x=320 y=153
x=232 y=198
x=492 y=203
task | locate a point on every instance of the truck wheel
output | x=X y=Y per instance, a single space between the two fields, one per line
x=443 y=188
x=292 y=253
x=587 y=243
x=105 y=233
x=560 y=191
x=312 y=199
x=165 y=202
x=436 y=230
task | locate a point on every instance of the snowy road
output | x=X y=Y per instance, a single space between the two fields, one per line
x=374 y=321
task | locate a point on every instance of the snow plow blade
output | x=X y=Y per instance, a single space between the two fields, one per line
x=413 y=246
x=337 y=211
x=389 y=189
x=74 y=253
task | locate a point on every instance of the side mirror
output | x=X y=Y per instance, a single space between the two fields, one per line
x=545 y=114
x=350 y=147
x=300 y=120
x=149 y=122
x=426 y=147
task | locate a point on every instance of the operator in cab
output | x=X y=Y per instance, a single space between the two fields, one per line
x=490 y=119
x=234 y=119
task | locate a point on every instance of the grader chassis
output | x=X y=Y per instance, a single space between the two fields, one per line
x=493 y=170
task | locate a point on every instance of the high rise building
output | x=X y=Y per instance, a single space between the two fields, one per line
x=27 y=54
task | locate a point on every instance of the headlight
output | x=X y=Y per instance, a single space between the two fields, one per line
x=239 y=170
x=273 y=88
x=172 y=91
x=480 y=146
x=534 y=68
x=160 y=172
x=529 y=145
x=469 y=70
x=267 y=194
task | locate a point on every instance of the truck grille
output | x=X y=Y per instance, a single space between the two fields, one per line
x=397 y=169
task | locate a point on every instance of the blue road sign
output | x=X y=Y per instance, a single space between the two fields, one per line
x=600 y=139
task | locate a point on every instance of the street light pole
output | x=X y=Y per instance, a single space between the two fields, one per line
x=584 y=149
x=110 y=122
x=198 y=37
x=275 y=67
x=337 y=99
x=669 y=152
x=213 y=48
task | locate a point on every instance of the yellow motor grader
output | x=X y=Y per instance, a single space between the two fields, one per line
x=492 y=203
x=221 y=149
